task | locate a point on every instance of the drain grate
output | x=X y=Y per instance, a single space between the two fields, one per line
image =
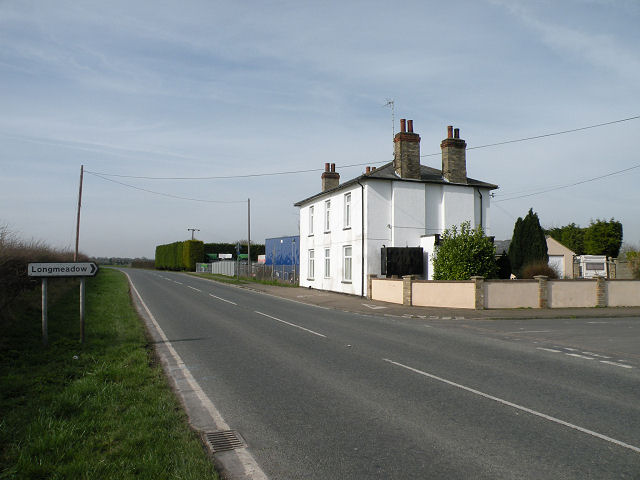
x=224 y=440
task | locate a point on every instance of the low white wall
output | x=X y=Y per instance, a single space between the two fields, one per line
x=386 y=290
x=624 y=293
x=571 y=293
x=443 y=294
x=511 y=294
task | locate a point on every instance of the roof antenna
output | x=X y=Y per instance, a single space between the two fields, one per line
x=390 y=103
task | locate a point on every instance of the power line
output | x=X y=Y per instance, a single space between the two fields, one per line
x=223 y=177
x=555 y=133
x=162 y=193
x=569 y=185
x=506 y=142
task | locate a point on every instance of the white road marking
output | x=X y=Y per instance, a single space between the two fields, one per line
x=531 y=331
x=373 y=307
x=179 y=283
x=548 y=350
x=595 y=355
x=579 y=356
x=518 y=407
x=194 y=288
x=291 y=324
x=223 y=299
x=251 y=468
x=615 y=364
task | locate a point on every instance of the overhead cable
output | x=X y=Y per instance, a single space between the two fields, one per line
x=162 y=193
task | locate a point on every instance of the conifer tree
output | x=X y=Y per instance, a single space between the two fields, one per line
x=528 y=244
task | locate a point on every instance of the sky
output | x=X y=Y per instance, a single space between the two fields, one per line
x=229 y=89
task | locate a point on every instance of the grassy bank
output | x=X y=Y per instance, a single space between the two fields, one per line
x=98 y=410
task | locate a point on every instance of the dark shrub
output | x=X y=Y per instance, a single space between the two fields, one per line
x=538 y=268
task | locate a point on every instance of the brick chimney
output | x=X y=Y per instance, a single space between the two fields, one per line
x=330 y=178
x=454 y=157
x=406 y=151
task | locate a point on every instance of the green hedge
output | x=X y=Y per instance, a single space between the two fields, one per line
x=179 y=255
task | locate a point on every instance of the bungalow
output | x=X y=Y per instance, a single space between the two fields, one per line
x=400 y=204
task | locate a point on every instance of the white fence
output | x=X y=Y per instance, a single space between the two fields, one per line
x=223 y=267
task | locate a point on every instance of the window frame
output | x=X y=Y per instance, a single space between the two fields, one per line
x=311 y=265
x=347 y=210
x=327 y=263
x=347 y=264
x=327 y=216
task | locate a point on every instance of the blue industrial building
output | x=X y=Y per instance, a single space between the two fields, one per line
x=282 y=251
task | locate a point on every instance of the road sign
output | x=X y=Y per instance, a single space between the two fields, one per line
x=63 y=269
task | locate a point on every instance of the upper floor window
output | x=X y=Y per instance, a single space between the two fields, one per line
x=327 y=216
x=347 y=210
x=311 y=220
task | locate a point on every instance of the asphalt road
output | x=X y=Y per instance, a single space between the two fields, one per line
x=324 y=394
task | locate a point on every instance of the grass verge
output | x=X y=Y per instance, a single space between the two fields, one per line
x=242 y=281
x=102 y=409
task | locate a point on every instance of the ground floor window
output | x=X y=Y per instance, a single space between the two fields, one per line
x=347 y=263
x=327 y=262
x=312 y=264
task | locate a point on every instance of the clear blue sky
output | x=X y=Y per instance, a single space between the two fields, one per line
x=208 y=88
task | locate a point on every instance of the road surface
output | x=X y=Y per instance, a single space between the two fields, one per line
x=324 y=394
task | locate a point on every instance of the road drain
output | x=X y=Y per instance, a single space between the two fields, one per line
x=224 y=440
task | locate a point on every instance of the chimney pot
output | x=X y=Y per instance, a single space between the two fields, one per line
x=373 y=169
x=368 y=170
x=450 y=131
x=326 y=167
x=333 y=167
x=410 y=126
x=456 y=133
x=403 y=125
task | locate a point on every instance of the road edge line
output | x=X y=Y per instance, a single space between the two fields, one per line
x=228 y=460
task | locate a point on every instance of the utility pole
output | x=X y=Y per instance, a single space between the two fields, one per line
x=249 y=236
x=75 y=259
x=75 y=254
x=193 y=230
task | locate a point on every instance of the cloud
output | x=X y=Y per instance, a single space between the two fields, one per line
x=601 y=50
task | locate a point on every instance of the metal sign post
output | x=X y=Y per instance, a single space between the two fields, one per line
x=60 y=269
x=45 y=330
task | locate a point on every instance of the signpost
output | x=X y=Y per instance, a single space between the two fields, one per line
x=62 y=269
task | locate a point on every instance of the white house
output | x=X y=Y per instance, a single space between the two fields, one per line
x=402 y=203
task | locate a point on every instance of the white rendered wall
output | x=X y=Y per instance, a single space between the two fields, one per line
x=408 y=213
x=459 y=205
x=335 y=239
x=434 y=209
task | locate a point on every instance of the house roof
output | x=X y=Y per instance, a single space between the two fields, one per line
x=387 y=172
